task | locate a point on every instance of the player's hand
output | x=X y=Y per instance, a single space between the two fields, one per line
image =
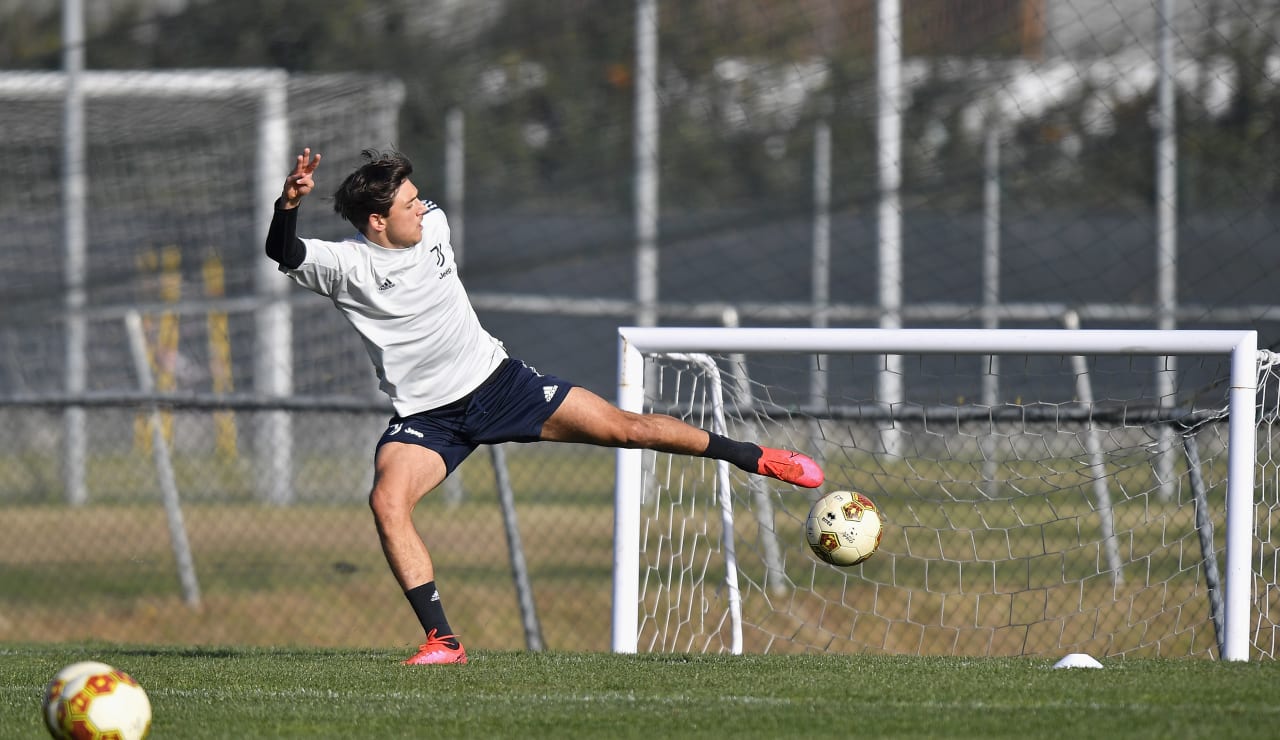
x=300 y=181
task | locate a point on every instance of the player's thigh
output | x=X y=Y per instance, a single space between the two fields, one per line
x=585 y=417
x=404 y=473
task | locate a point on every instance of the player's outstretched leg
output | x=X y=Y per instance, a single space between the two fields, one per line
x=789 y=467
x=588 y=418
x=438 y=649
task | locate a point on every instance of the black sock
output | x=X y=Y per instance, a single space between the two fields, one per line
x=425 y=601
x=743 y=454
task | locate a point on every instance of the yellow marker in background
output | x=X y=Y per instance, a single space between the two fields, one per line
x=220 y=358
x=162 y=354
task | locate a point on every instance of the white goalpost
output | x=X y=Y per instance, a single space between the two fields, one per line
x=157 y=166
x=1035 y=525
x=267 y=88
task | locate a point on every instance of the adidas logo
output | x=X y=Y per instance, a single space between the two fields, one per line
x=435 y=595
x=549 y=392
x=386 y=285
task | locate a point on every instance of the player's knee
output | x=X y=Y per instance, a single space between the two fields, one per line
x=387 y=505
x=636 y=431
x=621 y=429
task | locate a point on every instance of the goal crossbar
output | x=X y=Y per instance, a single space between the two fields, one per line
x=634 y=343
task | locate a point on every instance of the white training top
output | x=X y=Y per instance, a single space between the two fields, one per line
x=411 y=310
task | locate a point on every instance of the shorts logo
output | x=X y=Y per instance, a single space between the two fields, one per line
x=398 y=427
x=549 y=392
x=386 y=285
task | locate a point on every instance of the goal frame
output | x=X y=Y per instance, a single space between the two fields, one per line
x=1242 y=346
x=269 y=88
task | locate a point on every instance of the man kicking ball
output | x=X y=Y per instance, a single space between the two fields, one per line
x=452 y=385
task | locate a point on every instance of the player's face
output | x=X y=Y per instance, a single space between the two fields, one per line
x=404 y=222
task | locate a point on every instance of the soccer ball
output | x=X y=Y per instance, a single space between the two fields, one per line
x=844 y=528
x=53 y=690
x=93 y=701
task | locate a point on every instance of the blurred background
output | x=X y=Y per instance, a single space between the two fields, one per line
x=987 y=163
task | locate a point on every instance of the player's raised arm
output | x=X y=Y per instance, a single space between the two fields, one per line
x=301 y=180
x=283 y=244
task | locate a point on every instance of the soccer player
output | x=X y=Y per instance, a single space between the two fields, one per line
x=452 y=385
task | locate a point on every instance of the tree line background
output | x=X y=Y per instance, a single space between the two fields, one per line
x=553 y=82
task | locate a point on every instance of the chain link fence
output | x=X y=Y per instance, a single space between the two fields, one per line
x=217 y=504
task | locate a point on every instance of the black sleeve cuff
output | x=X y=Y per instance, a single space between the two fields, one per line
x=283 y=244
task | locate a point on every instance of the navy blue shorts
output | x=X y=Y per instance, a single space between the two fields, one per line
x=511 y=405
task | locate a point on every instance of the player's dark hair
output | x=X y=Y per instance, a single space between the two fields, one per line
x=372 y=187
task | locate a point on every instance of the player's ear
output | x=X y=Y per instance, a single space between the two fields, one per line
x=376 y=223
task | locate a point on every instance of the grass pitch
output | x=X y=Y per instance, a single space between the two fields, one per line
x=269 y=693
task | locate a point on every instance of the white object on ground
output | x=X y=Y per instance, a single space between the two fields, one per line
x=1078 y=660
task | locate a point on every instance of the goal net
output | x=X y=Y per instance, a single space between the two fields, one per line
x=178 y=171
x=1041 y=496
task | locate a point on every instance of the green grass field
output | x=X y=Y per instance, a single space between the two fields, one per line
x=260 y=693
x=311 y=576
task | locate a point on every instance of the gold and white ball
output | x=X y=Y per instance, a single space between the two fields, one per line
x=94 y=701
x=844 y=528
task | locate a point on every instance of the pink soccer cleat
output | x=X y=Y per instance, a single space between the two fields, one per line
x=790 y=467
x=437 y=650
